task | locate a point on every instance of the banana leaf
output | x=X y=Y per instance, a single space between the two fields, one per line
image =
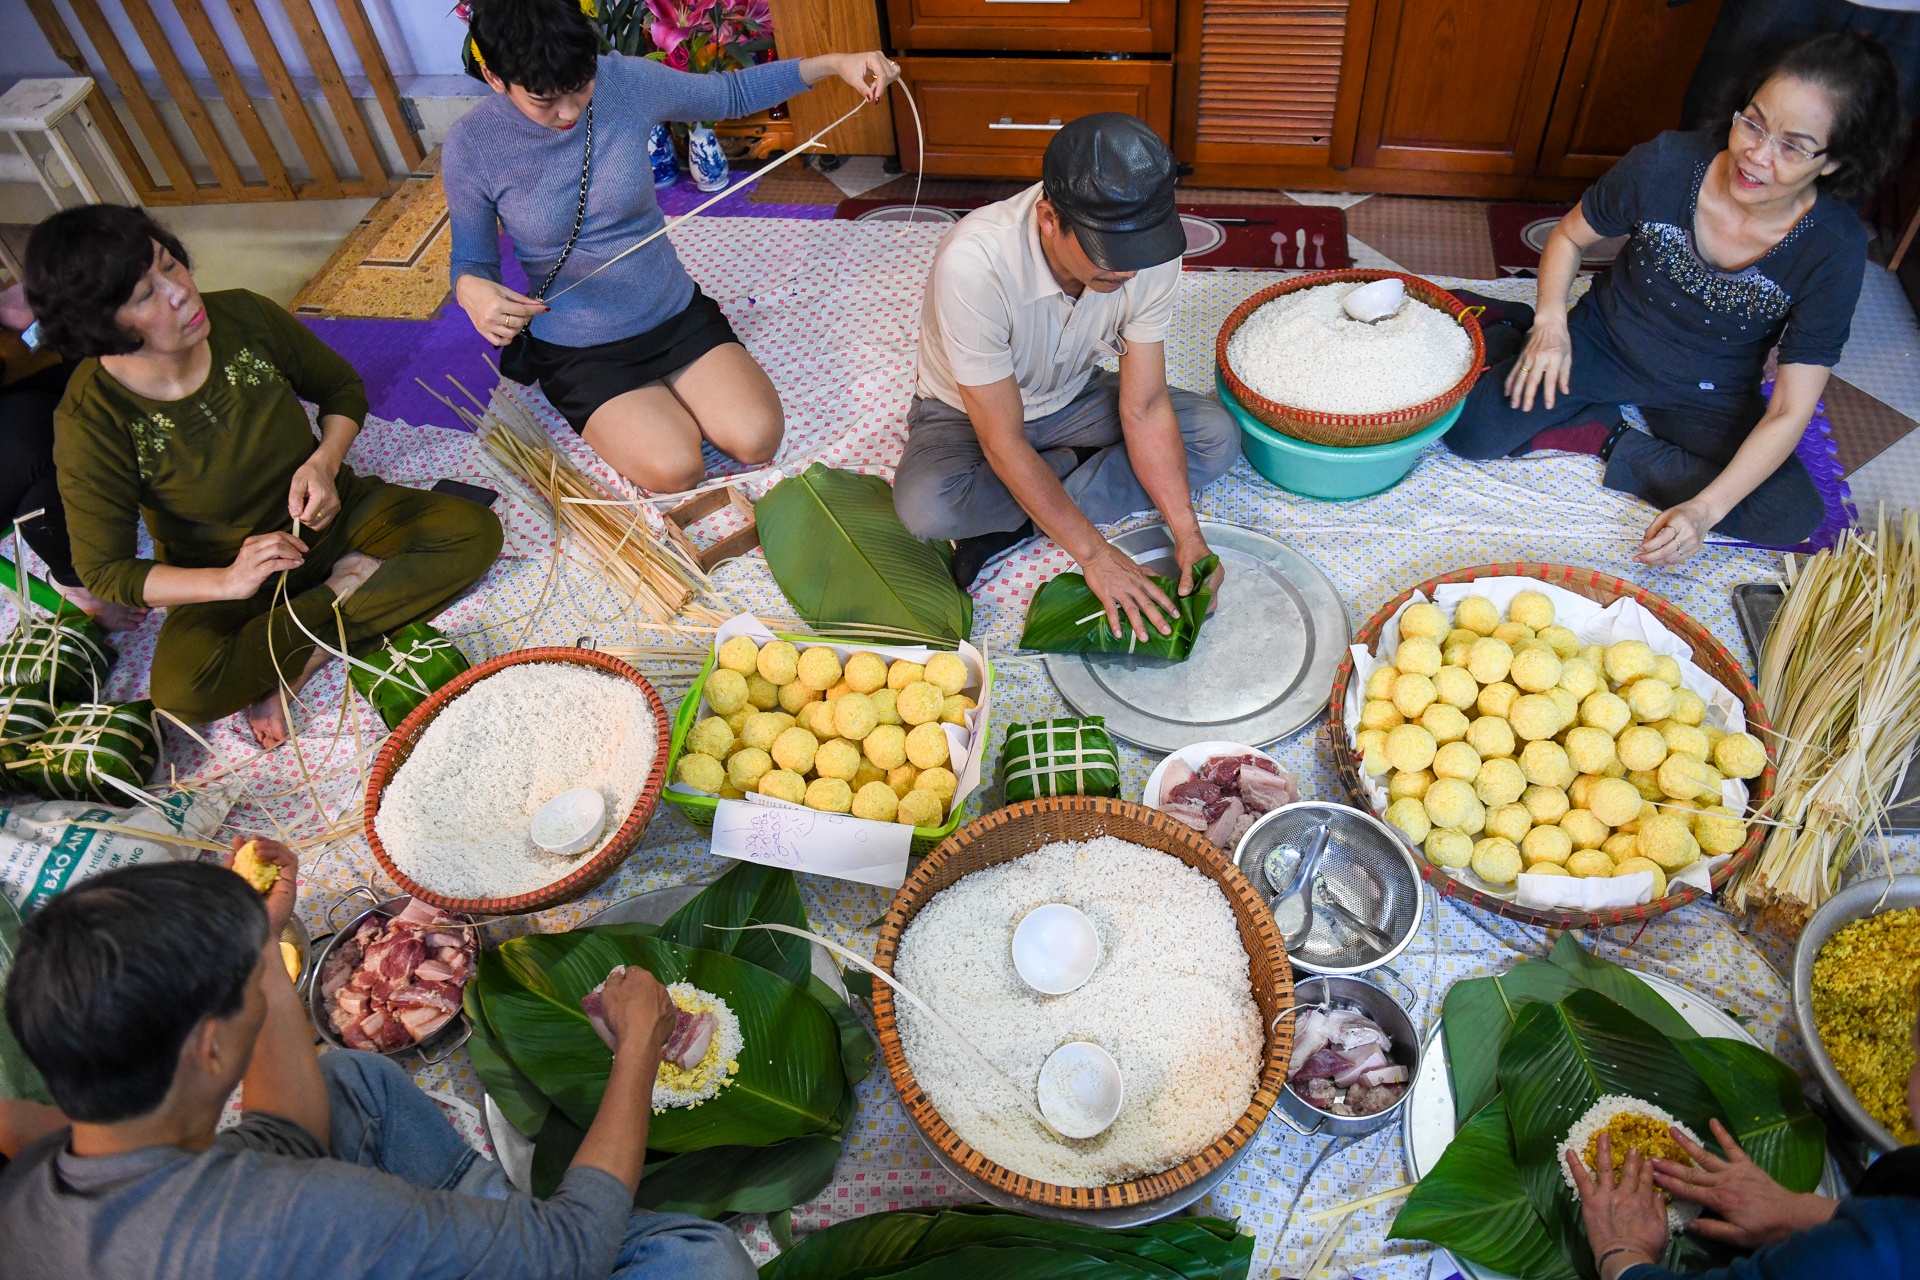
x=553 y=1150
x=1762 y=1104
x=856 y=1046
x=89 y=746
x=1622 y=986
x=721 y=1180
x=748 y=894
x=64 y=658
x=1476 y=1018
x=790 y=1080
x=1066 y=617
x=19 y=1080
x=1473 y=1204
x=519 y=1100
x=841 y=555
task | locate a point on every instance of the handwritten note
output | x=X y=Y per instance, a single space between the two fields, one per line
x=823 y=844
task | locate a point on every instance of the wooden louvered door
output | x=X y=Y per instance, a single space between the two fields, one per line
x=1260 y=83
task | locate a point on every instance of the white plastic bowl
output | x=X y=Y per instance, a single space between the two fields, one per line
x=1376 y=301
x=1055 y=949
x=1080 y=1090
x=571 y=822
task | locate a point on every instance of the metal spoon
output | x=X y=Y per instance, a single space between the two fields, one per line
x=1293 y=909
x=1372 y=936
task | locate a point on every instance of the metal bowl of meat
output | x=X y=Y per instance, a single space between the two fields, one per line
x=1219 y=788
x=391 y=980
x=1367 y=898
x=1355 y=1052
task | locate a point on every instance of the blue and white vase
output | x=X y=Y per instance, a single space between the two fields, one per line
x=660 y=155
x=705 y=159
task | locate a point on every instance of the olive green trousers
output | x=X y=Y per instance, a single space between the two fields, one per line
x=213 y=659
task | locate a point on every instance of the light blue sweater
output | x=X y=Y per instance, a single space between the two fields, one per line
x=499 y=165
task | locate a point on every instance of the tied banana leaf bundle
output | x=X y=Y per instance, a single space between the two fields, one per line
x=412 y=663
x=25 y=714
x=94 y=751
x=64 y=656
x=1066 y=617
x=972 y=1241
x=766 y=1141
x=1553 y=1043
x=1059 y=757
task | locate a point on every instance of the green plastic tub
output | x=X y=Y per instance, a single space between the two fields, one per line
x=1324 y=471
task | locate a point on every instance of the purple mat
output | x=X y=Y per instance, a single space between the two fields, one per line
x=1821 y=457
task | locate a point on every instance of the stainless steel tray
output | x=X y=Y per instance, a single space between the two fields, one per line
x=1262 y=669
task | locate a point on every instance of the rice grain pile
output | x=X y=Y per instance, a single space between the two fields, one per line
x=456 y=816
x=1304 y=351
x=1171 y=1000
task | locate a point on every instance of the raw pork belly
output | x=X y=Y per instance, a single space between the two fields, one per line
x=398 y=980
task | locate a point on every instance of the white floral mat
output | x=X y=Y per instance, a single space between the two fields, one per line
x=831 y=309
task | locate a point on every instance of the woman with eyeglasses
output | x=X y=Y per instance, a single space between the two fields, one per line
x=1738 y=240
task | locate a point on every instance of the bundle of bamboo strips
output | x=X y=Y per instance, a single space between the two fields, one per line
x=1840 y=675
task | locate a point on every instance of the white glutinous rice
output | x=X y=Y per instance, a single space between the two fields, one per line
x=1603 y=1112
x=1171 y=1001
x=1303 y=350
x=456 y=818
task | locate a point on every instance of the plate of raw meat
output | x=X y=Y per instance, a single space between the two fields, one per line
x=1219 y=788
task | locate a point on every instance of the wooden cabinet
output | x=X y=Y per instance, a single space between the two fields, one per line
x=995 y=116
x=1039 y=26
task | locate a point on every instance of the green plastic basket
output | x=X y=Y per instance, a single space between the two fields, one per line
x=700 y=809
x=1328 y=471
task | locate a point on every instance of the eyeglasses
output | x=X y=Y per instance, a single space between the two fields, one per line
x=1789 y=150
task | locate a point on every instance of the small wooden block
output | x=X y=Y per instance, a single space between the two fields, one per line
x=694 y=510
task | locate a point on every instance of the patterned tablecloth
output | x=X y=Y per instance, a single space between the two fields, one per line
x=832 y=309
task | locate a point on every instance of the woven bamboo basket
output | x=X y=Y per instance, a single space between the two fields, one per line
x=1602 y=588
x=1347 y=430
x=400 y=744
x=1009 y=833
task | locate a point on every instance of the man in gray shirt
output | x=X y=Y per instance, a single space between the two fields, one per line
x=146 y=995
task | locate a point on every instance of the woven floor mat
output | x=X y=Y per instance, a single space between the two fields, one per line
x=393 y=266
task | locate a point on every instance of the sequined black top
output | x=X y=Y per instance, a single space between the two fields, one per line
x=1682 y=322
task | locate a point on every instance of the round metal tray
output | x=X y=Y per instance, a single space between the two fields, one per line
x=1262 y=669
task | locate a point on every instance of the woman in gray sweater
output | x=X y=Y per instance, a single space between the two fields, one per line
x=640 y=361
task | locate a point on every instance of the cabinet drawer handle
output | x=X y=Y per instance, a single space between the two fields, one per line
x=1006 y=122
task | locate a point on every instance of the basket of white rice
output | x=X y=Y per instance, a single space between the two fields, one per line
x=1185 y=997
x=452 y=794
x=1296 y=361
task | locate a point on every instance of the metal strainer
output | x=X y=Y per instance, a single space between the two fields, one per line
x=1367 y=892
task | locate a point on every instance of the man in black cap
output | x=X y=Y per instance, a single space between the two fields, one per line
x=1012 y=426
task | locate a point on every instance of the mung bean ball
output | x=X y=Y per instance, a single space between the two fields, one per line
x=1590 y=750
x=837 y=758
x=1649 y=699
x=920 y=809
x=1641 y=747
x=1585 y=830
x=1614 y=801
x=1459 y=635
x=1534 y=716
x=1380 y=683
x=901 y=777
x=927 y=746
x=1373 y=755
x=1420 y=656
x=794 y=750
x=920 y=702
x=940 y=782
x=903 y=673
x=884 y=709
x=817 y=719
x=1380 y=715
x=1411 y=817
x=1668 y=840
x=1534 y=670
x=1688 y=707
x=953 y=710
x=1605 y=711
x=700 y=771
x=1476 y=614
x=1531 y=609
x=1713 y=735
x=745 y=768
x=1496 y=699
x=819 y=668
x=710 y=737
x=1719 y=830
x=829 y=795
x=1412 y=694
x=1566 y=704
x=1423 y=620
x=738 y=720
x=1546 y=764
x=1500 y=782
x=779 y=662
x=1445 y=723
x=1547 y=804
x=1580 y=788
x=783 y=784
x=1647 y=783
x=1456 y=687
x=946 y=672
x=1618 y=845
x=1513 y=633
x=1456 y=760
x=866 y=672
x=1454 y=652
x=867 y=772
x=854 y=717
x=1490 y=736
x=1578 y=677
x=1632 y=866
x=1545 y=869
x=1666 y=669
x=1452 y=804
x=886 y=746
x=730 y=792
x=1563 y=642
x=1370 y=739
x=1446 y=848
x=1510 y=820
x=1589 y=864
x=840 y=690
x=1689 y=778
x=739 y=654
x=1496 y=860
x=875 y=802
x=1647 y=809
x=1683 y=739
x=726 y=691
x=1547 y=844
x=1489 y=660
x=1740 y=755
x=795 y=695
x=1629 y=660
x=1410 y=747
x=1409 y=784
x=762 y=692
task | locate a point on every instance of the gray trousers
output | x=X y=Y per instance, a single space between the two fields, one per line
x=945 y=487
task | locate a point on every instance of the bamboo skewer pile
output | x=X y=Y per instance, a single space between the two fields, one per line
x=1840 y=675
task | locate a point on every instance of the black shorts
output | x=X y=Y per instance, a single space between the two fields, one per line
x=578 y=380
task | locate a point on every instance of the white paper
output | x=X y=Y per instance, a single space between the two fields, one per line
x=777 y=834
x=1600 y=893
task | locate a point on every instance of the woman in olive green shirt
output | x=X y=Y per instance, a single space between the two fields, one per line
x=188 y=414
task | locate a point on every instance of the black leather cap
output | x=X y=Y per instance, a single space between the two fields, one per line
x=1111 y=177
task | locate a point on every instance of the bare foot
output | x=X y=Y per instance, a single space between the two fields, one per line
x=265 y=715
x=114 y=617
x=350 y=573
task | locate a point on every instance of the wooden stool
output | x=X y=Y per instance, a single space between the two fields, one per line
x=39 y=106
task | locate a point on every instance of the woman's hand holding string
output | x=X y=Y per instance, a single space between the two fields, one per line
x=497 y=312
x=868 y=74
x=261 y=556
x=312 y=499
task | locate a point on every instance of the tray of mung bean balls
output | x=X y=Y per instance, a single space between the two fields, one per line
x=1559 y=745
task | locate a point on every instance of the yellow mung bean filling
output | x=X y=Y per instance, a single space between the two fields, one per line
x=1634 y=1133
x=1866 y=993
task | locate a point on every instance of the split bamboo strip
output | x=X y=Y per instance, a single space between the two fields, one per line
x=1840 y=676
